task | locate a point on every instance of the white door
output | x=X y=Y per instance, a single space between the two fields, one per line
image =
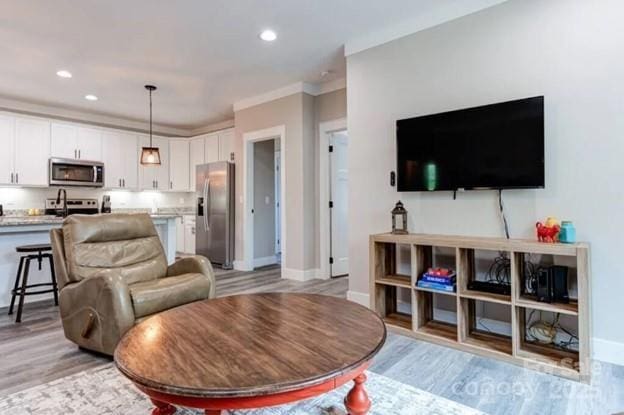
x=278 y=213
x=211 y=149
x=32 y=151
x=7 y=137
x=89 y=144
x=226 y=145
x=63 y=141
x=189 y=234
x=196 y=158
x=179 y=165
x=339 y=176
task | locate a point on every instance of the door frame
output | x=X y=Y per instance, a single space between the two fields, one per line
x=249 y=138
x=325 y=129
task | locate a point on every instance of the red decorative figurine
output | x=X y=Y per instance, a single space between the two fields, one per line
x=548 y=232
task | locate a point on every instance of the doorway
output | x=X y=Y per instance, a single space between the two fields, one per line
x=338 y=204
x=263 y=183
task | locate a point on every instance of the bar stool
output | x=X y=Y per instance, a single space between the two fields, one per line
x=35 y=252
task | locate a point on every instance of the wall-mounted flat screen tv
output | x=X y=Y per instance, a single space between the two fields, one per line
x=497 y=146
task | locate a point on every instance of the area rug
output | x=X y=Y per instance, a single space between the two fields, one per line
x=105 y=391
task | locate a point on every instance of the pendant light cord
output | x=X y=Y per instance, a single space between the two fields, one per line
x=150 y=92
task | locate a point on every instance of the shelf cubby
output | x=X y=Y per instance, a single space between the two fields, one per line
x=455 y=319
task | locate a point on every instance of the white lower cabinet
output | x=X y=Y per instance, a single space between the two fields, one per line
x=185 y=234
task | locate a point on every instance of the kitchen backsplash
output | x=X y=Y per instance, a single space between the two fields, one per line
x=15 y=200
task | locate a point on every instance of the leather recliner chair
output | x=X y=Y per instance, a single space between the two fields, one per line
x=112 y=273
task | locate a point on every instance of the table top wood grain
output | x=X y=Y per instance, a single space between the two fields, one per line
x=250 y=345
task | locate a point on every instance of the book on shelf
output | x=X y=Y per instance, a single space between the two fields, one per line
x=447 y=280
x=436 y=286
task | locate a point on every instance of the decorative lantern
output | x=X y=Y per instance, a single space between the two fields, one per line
x=399 y=219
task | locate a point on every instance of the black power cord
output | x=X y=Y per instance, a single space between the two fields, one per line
x=502 y=211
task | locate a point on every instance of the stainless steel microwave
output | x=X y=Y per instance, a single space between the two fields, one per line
x=67 y=172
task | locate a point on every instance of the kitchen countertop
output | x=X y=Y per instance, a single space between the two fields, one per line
x=56 y=220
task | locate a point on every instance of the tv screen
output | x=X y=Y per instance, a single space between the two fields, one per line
x=498 y=146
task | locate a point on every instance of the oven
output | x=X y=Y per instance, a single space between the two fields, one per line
x=67 y=172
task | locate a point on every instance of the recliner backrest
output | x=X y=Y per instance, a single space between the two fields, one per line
x=124 y=244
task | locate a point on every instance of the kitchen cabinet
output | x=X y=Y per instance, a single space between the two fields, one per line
x=226 y=145
x=7 y=156
x=121 y=162
x=189 y=235
x=196 y=158
x=31 y=151
x=70 y=141
x=179 y=165
x=185 y=234
x=155 y=177
x=211 y=148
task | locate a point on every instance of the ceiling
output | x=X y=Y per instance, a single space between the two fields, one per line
x=203 y=55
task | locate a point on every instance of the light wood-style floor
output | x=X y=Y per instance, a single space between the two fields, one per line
x=36 y=352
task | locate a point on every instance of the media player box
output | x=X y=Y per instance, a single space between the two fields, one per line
x=544 y=290
x=559 y=283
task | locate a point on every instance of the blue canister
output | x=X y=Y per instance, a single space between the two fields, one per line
x=567 y=234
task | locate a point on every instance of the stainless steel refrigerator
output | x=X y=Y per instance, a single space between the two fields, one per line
x=214 y=235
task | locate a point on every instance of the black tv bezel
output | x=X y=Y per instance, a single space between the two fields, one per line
x=461 y=189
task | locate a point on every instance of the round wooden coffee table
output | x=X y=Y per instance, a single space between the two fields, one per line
x=252 y=351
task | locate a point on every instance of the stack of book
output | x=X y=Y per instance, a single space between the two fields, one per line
x=440 y=279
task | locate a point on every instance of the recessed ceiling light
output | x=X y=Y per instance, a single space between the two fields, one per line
x=64 y=74
x=268 y=36
x=91 y=97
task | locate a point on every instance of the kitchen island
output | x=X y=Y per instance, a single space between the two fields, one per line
x=24 y=230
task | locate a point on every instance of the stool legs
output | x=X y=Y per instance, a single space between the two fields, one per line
x=54 y=285
x=17 y=281
x=20 y=305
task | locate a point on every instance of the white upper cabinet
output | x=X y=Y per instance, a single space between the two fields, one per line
x=7 y=155
x=121 y=162
x=211 y=148
x=32 y=151
x=155 y=177
x=89 y=144
x=179 y=165
x=226 y=145
x=76 y=142
x=196 y=158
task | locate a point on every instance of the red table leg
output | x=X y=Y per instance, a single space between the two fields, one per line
x=357 y=402
x=162 y=408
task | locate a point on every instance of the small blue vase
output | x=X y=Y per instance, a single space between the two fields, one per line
x=567 y=234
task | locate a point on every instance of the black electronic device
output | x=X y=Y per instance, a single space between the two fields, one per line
x=559 y=283
x=497 y=146
x=544 y=286
x=490 y=287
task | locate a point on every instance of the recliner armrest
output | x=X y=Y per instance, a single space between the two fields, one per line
x=194 y=264
x=101 y=301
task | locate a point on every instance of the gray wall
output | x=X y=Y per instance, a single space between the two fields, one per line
x=570 y=51
x=264 y=187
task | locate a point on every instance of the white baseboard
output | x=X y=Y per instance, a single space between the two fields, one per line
x=300 y=274
x=608 y=351
x=241 y=265
x=358 y=297
x=263 y=262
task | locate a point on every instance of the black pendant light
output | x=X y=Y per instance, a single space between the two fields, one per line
x=150 y=156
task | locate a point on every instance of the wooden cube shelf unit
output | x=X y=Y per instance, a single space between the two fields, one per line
x=385 y=283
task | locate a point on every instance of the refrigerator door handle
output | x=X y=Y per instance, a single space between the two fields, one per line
x=206 y=191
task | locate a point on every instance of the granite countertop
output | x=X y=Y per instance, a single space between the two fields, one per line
x=54 y=220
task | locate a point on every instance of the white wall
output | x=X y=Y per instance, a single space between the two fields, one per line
x=570 y=51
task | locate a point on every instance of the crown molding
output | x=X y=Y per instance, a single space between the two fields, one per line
x=298 y=87
x=449 y=11
x=66 y=114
